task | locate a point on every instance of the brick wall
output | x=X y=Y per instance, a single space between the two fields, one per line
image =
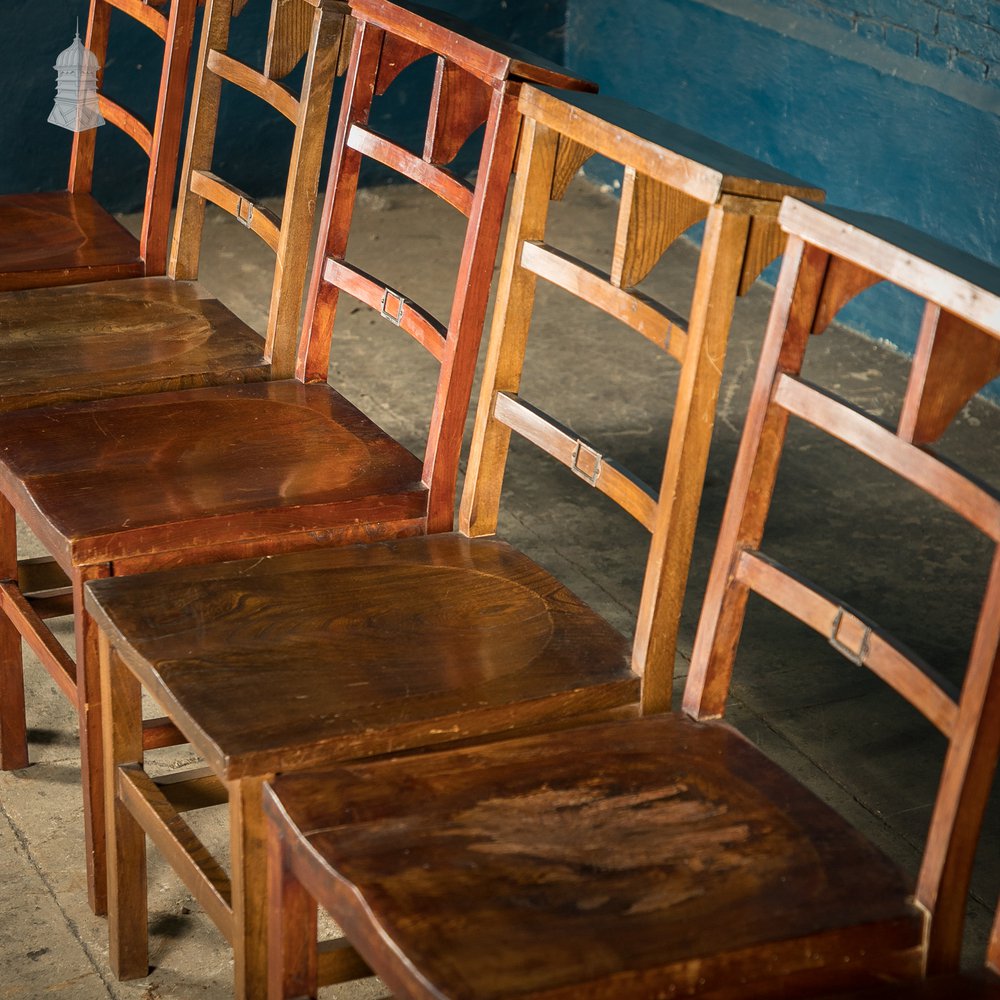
x=959 y=35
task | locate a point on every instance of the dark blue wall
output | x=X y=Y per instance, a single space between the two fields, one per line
x=880 y=131
x=253 y=144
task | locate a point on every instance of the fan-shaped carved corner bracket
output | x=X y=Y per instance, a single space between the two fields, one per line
x=396 y=55
x=570 y=156
x=953 y=361
x=238 y=6
x=842 y=282
x=651 y=217
x=460 y=103
x=288 y=37
x=765 y=242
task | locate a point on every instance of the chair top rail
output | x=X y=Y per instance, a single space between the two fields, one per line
x=951 y=278
x=661 y=149
x=483 y=55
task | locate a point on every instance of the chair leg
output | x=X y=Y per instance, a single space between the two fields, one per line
x=248 y=849
x=88 y=685
x=292 y=928
x=126 y=856
x=13 y=725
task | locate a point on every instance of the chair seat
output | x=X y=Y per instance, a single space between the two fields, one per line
x=203 y=467
x=651 y=858
x=59 y=238
x=117 y=338
x=319 y=656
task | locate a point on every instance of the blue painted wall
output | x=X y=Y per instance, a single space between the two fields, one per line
x=808 y=87
x=34 y=155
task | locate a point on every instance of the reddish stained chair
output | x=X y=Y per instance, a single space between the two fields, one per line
x=668 y=856
x=66 y=237
x=314 y=657
x=154 y=333
x=126 y=485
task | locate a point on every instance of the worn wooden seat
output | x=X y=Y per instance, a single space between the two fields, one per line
x=226 y=471
x=405 y=643
x=66 y=237
x=667 y=855
x=111 y=338
x=161 y=332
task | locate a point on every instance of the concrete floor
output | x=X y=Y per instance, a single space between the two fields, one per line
x=837 y=518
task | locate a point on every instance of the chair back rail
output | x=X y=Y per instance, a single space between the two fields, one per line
x=831 y=256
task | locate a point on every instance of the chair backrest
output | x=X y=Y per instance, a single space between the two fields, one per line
x=673 y=178
x=476 y=82
x=831 y=256
x=317 y=29
x=161 y=142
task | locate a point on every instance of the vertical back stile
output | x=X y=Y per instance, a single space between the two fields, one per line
x=511 y=324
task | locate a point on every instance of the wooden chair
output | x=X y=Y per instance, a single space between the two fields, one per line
x=403 y=644
x=667 y=856
x=214 y=473
x=142 y=334
x=156 y=333
x=66 y=237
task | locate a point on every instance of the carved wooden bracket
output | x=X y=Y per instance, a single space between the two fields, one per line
x=651 y=217
x=842 y=283
x=288 y=37
x=460 y=103
x=953 y=361
x=397 y=54
x=765 y=242
x=570 y=156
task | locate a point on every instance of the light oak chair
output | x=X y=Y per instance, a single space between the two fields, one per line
x=144 y=334
x=313 y=657
x=66 y=237
x=125 y=485
x=668 y=856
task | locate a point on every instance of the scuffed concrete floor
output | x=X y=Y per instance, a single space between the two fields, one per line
x=827 y=722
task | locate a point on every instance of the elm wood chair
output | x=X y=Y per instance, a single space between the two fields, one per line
x=144 y=334
x=667 y=856
x=406 y=643
x=125 y=485
x=66 y=237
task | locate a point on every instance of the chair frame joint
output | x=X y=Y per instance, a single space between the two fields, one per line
x=856 y=656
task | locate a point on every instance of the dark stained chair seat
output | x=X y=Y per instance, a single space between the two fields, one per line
x=241 y=462
x=117 y=338
x=62 y=238
x=361 y=650
x=650 y=858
